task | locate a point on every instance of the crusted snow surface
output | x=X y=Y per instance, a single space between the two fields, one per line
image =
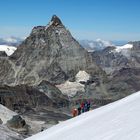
x=115 y=121
x=6 y=114
x=72 y=88
x=9 y=50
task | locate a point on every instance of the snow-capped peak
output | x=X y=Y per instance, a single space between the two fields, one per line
x=125 y=47
x=9 y=50
x=124 y=50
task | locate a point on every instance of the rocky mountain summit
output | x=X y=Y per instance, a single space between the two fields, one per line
x=50 y=53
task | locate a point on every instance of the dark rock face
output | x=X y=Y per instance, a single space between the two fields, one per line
x=7 y=71
x=109 y=60
x=3 y=54
x=16 y=122
x=24 y=98
x=56 y=21
x=58 y=99
x=123 y=83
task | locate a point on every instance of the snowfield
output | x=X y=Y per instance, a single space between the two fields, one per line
x=9 y=50
x=71 y=88
x=115 y=121
x=6 y=114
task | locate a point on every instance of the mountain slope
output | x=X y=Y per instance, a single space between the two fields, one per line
x=116 y=121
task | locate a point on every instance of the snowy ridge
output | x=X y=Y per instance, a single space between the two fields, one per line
x=125 y=47
x=124 y=50
x=8 y=49
x=116 y=121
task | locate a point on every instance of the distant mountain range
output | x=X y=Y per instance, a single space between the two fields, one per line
x=90 y=45
x=98 y=44
x=11 y=41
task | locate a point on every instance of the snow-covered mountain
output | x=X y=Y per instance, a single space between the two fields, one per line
x=115 y=121
x=117 y=57
x=9 y=50
x=98 y=44
x=124 y=50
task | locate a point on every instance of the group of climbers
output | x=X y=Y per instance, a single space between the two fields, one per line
x=83 y=107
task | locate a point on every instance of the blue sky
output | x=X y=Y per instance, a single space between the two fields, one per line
x=86 y=19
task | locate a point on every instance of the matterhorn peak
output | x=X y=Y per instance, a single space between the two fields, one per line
x=55 y=20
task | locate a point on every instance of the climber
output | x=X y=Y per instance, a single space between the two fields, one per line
x=79 y=110
x=74 y=112
x=88 y=105
x=82 y=107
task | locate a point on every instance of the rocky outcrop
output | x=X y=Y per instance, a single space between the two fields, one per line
x=18 y=124
x=3 y=54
